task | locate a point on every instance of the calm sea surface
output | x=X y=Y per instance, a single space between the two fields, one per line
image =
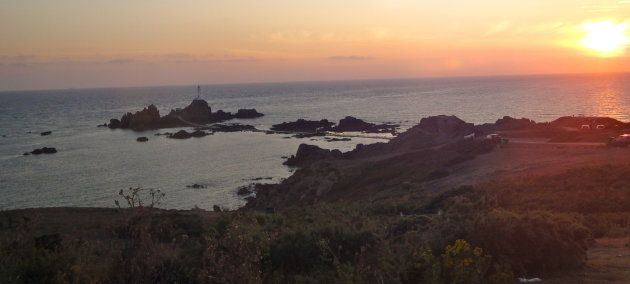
x=93 y=164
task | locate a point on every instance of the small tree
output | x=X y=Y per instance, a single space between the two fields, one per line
x=133 y=197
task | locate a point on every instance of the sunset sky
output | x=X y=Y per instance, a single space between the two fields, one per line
x=78 y=43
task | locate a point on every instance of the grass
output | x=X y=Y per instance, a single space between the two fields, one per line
x=486 y=234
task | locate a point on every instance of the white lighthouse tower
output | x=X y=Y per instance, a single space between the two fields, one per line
x=198 y=93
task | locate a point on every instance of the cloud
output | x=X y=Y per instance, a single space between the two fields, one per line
x=351 y=57
x=121 y=61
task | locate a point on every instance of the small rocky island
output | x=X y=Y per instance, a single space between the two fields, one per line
x=347 y=124
x=198 y=113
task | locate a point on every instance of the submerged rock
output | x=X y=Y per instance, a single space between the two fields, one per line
x=235 y=127
x=45 y=150
x=46 y=133
x=183 y=134
x=142 y=139
x=302 y=125
x=196 y=186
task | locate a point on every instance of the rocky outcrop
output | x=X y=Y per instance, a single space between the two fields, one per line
x=247 y=113
x=114 y=123
x=308 y=154
x=350 y=123
x=235 y=127
x=302 y=125
x=183 y=134
x=147 y=118
x=45 y=150
x=592 y=121
x=198 y=112
x=432 y=131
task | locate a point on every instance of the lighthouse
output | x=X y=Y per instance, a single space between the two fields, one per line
x=198 y=93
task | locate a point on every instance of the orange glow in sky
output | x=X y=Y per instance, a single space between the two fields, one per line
x=75 y=43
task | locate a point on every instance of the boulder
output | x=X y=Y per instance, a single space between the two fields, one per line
x=142 y=139
x=46 y=133
x=302 y=125
x=248 y=113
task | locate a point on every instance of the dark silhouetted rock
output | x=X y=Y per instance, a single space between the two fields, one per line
x=510 y=123
x=308 y=154
x=45 y=150
x=197 y=186
x=46 y=133
x=102 y=125
x=248 y=113
x=245 y=190
x=183 y=134
x=221 y=115
x=350 y=123
x=337 y=139
x=26 y=154
x=431 y=131
x=235 y=127
x=142 y=139
x=198 y=112
x=147 y=118
x=302 y=125
x=593 y=121
x=114 y=123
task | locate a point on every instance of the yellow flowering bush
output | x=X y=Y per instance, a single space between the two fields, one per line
x=460 y=263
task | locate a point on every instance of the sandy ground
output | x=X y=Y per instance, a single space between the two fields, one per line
x=608 y=262
x=523 y=157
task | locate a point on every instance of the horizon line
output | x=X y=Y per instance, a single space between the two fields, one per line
x=309 y=81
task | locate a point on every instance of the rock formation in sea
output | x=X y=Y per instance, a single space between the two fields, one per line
x=350 y=123
x=247 y=113
x=302 y=125
x=44 y=150
x=195 y=114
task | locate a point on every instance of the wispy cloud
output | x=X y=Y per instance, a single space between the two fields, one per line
x=495 y=29
x=349 y=57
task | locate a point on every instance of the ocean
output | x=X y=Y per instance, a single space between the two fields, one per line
x=94 y=163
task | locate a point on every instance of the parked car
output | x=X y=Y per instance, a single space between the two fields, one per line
x=496 y=138
x=622 y=140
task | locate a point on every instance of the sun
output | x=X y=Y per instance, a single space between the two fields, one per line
x=605 y=38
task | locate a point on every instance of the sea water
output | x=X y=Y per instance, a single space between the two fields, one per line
x=94 y=163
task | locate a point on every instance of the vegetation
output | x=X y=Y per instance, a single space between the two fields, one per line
x=488 y=234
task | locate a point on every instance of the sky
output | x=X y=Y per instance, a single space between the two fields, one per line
x=81 y=44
